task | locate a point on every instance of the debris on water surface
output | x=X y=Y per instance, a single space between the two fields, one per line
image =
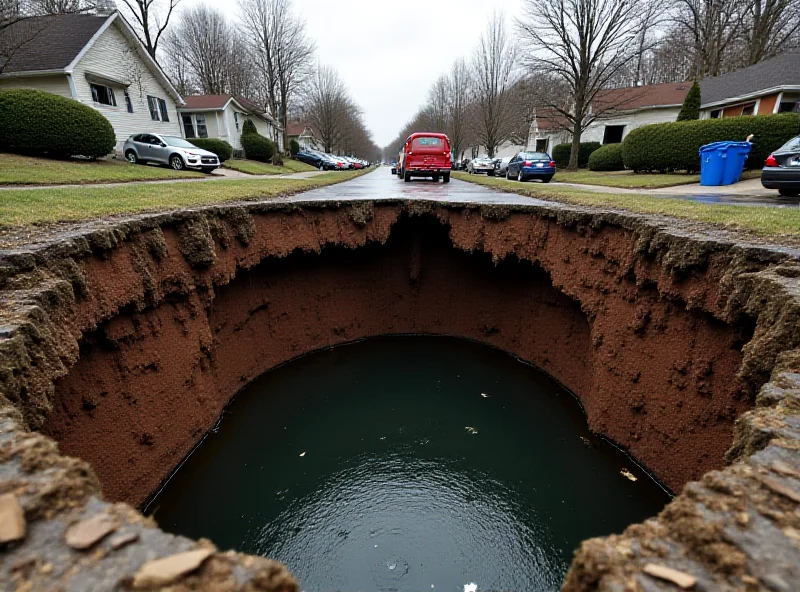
x=484 y=395
x=471 y=430
x=628 y=475
x=586 y=442
x=302 y=454
x=472 y=587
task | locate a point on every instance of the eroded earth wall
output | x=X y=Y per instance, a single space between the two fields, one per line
x=125 y=343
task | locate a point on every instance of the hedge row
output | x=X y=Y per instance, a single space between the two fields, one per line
x=607 y=158
x=675 y=146
x=221 y=148
x=561 y=153
x=37 y=123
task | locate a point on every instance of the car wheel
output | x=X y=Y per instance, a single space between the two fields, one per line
x=407 y=177
x=176 y=162
x=520 y=178
x=436 y=178
x=131 y=156
x=446 y=178
x=789 y=192
x=508 y=175
x=546 y=179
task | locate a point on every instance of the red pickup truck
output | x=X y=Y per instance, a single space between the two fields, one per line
x=425 y=155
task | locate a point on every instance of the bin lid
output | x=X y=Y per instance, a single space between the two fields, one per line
x=723 y=146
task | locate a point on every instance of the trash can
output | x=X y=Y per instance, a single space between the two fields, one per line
x=722 y=163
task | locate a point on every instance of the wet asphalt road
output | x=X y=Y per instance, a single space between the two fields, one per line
x=381 y=184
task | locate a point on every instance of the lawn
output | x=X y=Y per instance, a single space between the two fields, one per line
x=630 y=180
x=41 y=206
x=252 y=167
x=758 y=219
x=28 y=170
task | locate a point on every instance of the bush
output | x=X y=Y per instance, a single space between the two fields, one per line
x=675 y=146
x=690 y=110
x=294 y=147
x=257 y=147
x=221 y=148
x=248 y=127
x=607 y=158
x=37 y=123
x=561 y=153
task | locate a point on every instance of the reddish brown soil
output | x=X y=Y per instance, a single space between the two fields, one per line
x=611 y=324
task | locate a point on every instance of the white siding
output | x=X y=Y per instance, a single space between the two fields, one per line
x=113 y=56
x=58 y=85
x=631 y=121
x=222 y=125
x=212 y=124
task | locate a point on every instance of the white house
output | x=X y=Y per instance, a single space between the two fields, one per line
x=98 y=61
x=222 y=117
x=305 y=136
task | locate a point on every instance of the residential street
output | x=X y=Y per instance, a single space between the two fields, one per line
x=381 y=184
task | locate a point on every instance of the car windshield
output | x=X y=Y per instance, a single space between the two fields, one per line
x=793 y=144
x=177 y=142
x=535 y=156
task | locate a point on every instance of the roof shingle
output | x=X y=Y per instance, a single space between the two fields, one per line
x=782 y=70
x=47 y=42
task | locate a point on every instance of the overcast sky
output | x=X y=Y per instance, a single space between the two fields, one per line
x=389 y=52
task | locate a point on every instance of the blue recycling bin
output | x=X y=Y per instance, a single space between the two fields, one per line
x=722 y=163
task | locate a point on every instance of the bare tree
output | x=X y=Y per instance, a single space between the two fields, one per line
x=713 y=26
x=327 y=104
x=283 y=50
x=458 y=101
x=149 y=19
x=493 y=67
x=583 y=44
x=438 y=96
x=769 y=27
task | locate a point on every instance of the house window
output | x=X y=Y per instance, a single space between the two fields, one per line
x=715 y=114
x=748 y=109
x=103 y=95
x=202 y=130
x=158 y=109
x=236 y=120
x=541 y=145
x=128 y=102
x=789 y=107
x=188 y=126
x=613 y=134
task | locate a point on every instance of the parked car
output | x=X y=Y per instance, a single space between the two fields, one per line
x=501 y=166
x=531 y=165
x=426 y=155
x=312 y=158
x=481 y=166
x=782 y=169
x=394 y=168
x=168 y=150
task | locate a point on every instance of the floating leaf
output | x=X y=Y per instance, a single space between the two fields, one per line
x=628 y=475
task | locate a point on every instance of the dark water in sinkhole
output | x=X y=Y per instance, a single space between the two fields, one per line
x=407 y=463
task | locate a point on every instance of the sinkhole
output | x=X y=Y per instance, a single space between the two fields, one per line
x=407 y=463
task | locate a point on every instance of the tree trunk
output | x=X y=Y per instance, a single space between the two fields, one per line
x=576 y=146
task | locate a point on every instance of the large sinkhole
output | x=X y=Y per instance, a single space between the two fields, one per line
x=407 y=463
x=504 y=505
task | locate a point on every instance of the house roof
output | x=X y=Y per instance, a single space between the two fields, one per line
x=220 y=103
x=297 y=128
x=772 y=74
x=55 y=44
x=651 y=96
x=210 y=102
x=48 y=42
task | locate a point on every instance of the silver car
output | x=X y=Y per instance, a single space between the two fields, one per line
x=481 y=165
x=169 y=150
x=501 y=166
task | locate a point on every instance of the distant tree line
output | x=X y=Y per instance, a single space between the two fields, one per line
x=564 y=52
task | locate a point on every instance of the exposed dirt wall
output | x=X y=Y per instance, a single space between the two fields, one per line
x=125 y=339
x=656 y=378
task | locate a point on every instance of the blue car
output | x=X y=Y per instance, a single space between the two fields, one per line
x=531 y=165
